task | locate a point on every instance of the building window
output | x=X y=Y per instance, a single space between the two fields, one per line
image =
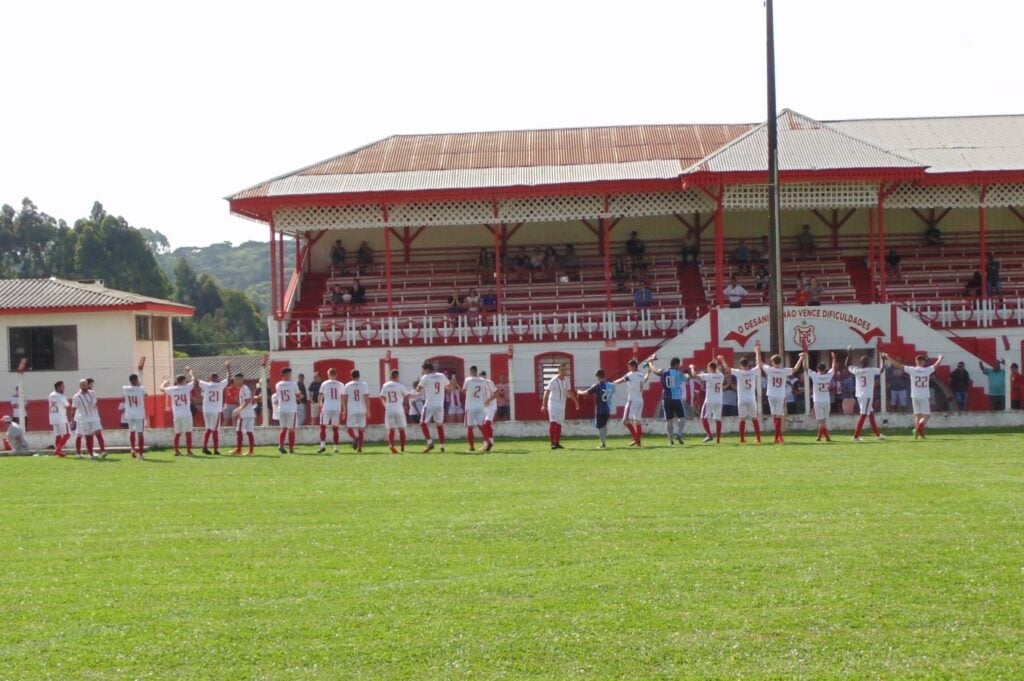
x=47 y=348
x=161 y=328
x=546 y=368
x=152 y=328
x=143 y=328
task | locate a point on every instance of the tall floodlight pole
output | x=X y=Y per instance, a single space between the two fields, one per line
x=777 y=337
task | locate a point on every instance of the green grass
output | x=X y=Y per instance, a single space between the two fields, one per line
x=896 y=560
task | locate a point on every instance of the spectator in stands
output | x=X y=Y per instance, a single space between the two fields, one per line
x=364 y=256
x=357 y=292
x=642 y=294
x=761 y=278
x=1016 y=387
x=892 y=264
x=340 y=297
x=571 y=262
x=898 y=383
x=620 y=273
x=972 y=289
x=802 y=296
x=734 y=293
x=502 y=398
x=802 y=279
x=484 y=261
x=996 y=384
x=741 y=257
x=959 y=383
x=992 y=276
x=691 y=248
x=472 y=301
x=814 y=293
x=522 y=262
x=806 y=240
x=933 y=236
x=456 y=303
x=551 y=259
x=766 y=249
x=338 y=256
x=635 y=247
x=536 y=259
x=489 y=302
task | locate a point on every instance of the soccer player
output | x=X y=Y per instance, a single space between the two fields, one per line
x=95 y=427
x=553 y=402
x=746 y=398
x=490 y=404
x=602 y=391
x=635 y=381
x=433 y=385
x=354 y=410
x=87 y=420
x=244 y=415
x=477 y=392
x=135 y=415
x=864 y=390
x=58 y=408
x=392 y=396
x=287 y=392
x=920 y=389
x=329 y=396
x=714 y=384
x=673 y=387
x=821 y=395
x=14 y=438
x=776 y=375
x=181 y=398
x=213 y=408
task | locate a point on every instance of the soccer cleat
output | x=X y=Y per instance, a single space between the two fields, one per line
x=858 y=439
x=708 y=438
x=442 y=449
x=602 y=447
x=237 y=451
x=355 y=447
x=634 y=443
x=207 y=452
x=471 y=449
x=61 y=454
x=394 y=450
x=282 y=450
x=216 y=452
x=757 y=441
x=291 y=450
x=557 y=446
x=321 y=450
x=189 y=453
x=335 y=449
x=489 y=447
x=743 y=441
x=430 y=447
x=176 y=453
x=880 y=437
x=141 y=457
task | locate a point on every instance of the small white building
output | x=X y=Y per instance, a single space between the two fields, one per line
x=60 y=330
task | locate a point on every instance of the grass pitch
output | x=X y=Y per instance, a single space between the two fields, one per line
x=896 y=560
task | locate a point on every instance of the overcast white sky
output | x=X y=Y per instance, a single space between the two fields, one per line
x=159 y=110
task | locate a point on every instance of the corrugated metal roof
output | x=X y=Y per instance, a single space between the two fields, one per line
x=202 y=367
x=950 y=144
x=35 y=294
x=804 y=144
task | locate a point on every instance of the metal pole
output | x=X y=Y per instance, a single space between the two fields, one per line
x=777 y=338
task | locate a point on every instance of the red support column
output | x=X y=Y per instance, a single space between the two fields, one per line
x=282 y=285
x=606 y=244
x=298 y=251
x=982 y=239
x=884 y=294
x=871 y=252
x=497 y=266
x=387 y=260
x=720 y=248
x=273 y=269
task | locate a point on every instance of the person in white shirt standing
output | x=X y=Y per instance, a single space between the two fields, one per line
x=821 y=394
x=433 y=386
x=135 y=415
x=864 y=390
x=553 y=402
x=632 y=413
x=734 y=293
x=57 y=404
x=213 y=408
x=775 y=378
x=490 y=404
x=920 y=389
x=392 y=396
x=86 y=418
x=180 y=395
x=477 y=391
x=746 y=397
x=714 y=386
x=353 y=410
x=329 y=399
x=287 y=392
x=244 y=415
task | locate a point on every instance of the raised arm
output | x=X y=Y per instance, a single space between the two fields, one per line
x=757 y=354
x=895 y=361
x=938 y=361
x=849 y=351
x=723 y=364
x=835 y=364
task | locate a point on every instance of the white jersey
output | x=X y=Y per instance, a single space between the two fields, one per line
x=287 y=392
x=434 y=386
x=213 y=394
x=558 y=392
x=714 y=382
x=331 y=392
x=134 y=401
x=635 y=381
x=245 y=402
x=864 y=379
x=85 y=406
x=477 y=391
x=919 y=379
x=776 y=380
x=58 y=409
x=180 y=397
x=820 y=386
x=356 y=392
x=746 y=384
x=393 y=393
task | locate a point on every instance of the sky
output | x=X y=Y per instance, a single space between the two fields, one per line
x=159 y=110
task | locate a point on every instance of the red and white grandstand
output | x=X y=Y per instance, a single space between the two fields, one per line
x=942 y=197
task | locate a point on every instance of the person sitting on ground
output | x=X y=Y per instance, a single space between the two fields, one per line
x=806 y=240
x=933 y=236
x=456 y=303
x=14 y=437
x=364 y=256
x=691 y=248
x=338 y=256
x=484 y=261
x=814 y=292
x=761 y=278
x=892 y=263
x=635 y=248
x=472 y=301
x=620 y=273
x=992 y=276
x=741 y=257
x=734 y=293
x=972 y=289
x=357 y=292
x=571 y=261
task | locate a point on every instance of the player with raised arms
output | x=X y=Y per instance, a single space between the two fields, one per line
x=714 y=386
x=821 y=383
x=392 y=396
x=552 y=402
x=287 y=392
x=746 y=397
x=632 y=413
x=353 y=409
x=864 y=390
x=920 y=389
x=135 y=415
x=180 y=395
x=775 y=376
x=433 y=385
x=603 y=391
x=244 y=415
x=477 y=391
x=213 y=408
x=673 y=387
x=331 y=392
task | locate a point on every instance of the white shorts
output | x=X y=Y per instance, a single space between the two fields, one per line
x=777 y=406
x=556 y=413
x=357 y=420
x=433 y=414
x=490 y=411
x=182 y=424
x=475 y=417
x=633 y=411
x=455 y=410
x=821 y=410
x=136 y=425
x=711 y=411
x=288 y=419
x=922 y=405
x=60 y=429
x=395 y=418
x=747 y=410
x=88 y=426
x=244 y=424
x=330 y=417
x=866 y=404
x=211 y=419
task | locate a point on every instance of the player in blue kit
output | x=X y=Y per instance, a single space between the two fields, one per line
x=673 y=386
x=602 y=392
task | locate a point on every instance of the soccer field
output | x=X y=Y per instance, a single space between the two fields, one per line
x=899 y=560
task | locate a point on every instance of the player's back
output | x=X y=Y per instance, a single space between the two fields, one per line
x=213 y=394
x=331 y=392
x=821 y=384
x=746 y=384
x=134 y=401
x=286 y=392
x=393 y=394
x=476 y=392
x=434 y=386
x=356 y=392
x=58 y=408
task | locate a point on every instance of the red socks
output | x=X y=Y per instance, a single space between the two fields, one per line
x=777 y=420
x=291 y=439
x=391 y=437
x=362 y=436
x=757 y=429
x=238 y=440
x=131 y=440
x=639 y=432
x=553 y=432
x=177 y=442
x=718 y=431
x=334 y=432
x=426 y=431
x=488 y=430
x=102 y=444
x=88 y=444
x=707 y=426
x=252 y=442
x=323 y=433
x=216 y=440
x=743 y=429
x=874 y=425
x=280 y=437
x=631 y=429
x=469 y=438
x=440 y=434
x=401 y=438
x=352 y=434
x=188 y=442
x=206 y=439
x=860 y=425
